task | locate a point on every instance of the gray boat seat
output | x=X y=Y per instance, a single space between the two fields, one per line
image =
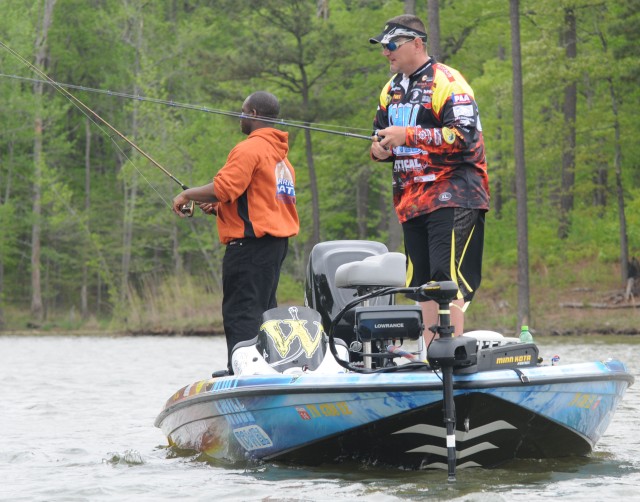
x=384 y=270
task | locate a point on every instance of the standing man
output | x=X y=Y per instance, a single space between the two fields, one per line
x=254 y=198
x=428 y=127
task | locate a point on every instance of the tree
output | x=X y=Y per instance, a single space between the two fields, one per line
x=300 y=62
x=433 y=13
x=569 y=41
x=626 y=21
x=410 y=7
x=521 y=177
x=41 y=47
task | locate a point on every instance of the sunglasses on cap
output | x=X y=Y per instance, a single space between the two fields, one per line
x=392 y=46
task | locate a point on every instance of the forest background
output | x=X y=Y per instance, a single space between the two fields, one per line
x=87 y=238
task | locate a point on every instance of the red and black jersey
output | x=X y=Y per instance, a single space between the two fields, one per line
x=443 y=162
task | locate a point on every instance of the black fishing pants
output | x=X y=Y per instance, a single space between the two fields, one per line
x=250 y=275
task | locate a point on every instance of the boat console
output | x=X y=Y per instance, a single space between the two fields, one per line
x=375 y=333
x=351 y=288
x=323 y=294
x=379 y=327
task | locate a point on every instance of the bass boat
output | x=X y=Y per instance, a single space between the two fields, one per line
x=360 y=392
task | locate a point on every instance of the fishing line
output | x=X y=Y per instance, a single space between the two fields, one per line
x=188 y=209
x=286 y=123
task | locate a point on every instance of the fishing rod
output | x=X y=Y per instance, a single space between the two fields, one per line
x=175 y=104
x=187 y=209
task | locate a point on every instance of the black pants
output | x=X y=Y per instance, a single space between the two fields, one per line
x=446 y=245
x=250 y=274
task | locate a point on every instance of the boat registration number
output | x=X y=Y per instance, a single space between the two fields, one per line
x=252 y=437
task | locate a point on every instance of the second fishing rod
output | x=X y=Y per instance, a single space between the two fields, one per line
x=175 y=104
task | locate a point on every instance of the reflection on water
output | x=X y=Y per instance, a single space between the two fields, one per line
x=77 y=421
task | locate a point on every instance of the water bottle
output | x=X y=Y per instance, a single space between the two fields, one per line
x=525 y=334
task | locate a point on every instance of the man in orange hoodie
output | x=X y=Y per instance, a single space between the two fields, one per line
x=254 y=198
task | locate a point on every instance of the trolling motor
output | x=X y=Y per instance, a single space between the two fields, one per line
x=448 y=353
x=352 y=305
x=375 y=326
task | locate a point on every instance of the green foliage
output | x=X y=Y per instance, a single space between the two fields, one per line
x=180 y=301
x=97 y=189
x=290 y=290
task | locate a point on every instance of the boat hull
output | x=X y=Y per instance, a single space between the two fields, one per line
x=397 y=418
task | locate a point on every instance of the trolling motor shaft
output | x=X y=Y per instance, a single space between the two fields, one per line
x=448 y=353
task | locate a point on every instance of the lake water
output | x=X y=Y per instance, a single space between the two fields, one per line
x=77 y=413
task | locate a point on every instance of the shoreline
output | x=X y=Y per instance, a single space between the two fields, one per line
x=204 y=332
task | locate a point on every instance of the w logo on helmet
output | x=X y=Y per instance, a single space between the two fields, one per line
x=299 y=335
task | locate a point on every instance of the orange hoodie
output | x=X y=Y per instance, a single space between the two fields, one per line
x=256 y=189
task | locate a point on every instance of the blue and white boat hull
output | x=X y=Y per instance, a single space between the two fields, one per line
x=397 y=419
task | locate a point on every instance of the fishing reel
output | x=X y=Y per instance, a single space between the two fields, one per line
x=187 y=209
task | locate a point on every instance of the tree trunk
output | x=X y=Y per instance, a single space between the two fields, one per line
x=395 y=239
x=313 y=187
x=569 y=139
x=625 y=262
x=521 y=175
x=178 y=265
x=84 y=302
x=395 y=242
x=499 y=168
x=362 y=201
x=131 y=190
x=4 y=199
x=37 y=310
x=98 y=295
x=1 y=291
x=600 y=181
x=433 y=9
x=36 y=210
x=323 y=9
x=617 y=162
x=313 y=180
x=207 y=255
x=410 y=7
x=130 y=193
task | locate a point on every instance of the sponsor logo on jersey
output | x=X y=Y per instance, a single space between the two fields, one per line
x=448 y=135
x=415 y=96
x=447 y=73
x=406 y=165
x=463 y=111
x=285 y=190
x=461 y=99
